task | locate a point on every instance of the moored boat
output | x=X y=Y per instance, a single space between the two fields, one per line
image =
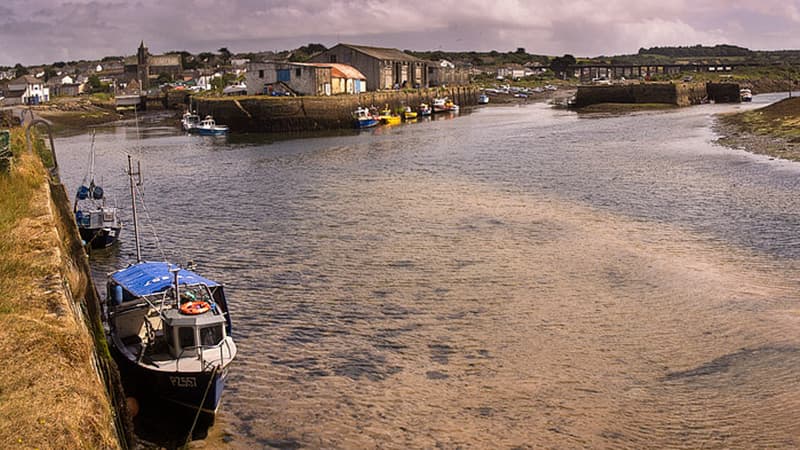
x=440 y=104
x=169 y=331
x=189 y=121
x=98 y=223
x=746 y=95
x=425 y=109
x=364 y=119
x=208 y=127
x=409 y=114
x=450 y=106
x=386 y=117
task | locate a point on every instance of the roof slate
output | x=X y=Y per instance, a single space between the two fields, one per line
x=391 y=54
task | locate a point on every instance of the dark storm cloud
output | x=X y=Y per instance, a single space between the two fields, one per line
x=41 y=31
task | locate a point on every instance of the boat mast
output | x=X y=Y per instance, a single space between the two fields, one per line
x=133 y=204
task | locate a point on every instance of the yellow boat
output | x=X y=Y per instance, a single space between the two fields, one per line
x=409 y=114
x=386 y=117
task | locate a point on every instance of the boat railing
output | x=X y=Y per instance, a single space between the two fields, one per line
x=202 y=349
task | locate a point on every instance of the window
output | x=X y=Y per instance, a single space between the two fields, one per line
x=260 y=74
x=210 y=336
x=186 y=337
x=332 y=58
x=298 y=72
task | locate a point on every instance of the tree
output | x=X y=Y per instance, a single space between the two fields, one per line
x=164 y=78
x=225 y=54
x=20 y=70
x=560 y=64
x=94 y=83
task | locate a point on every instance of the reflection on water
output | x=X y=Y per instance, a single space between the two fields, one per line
x=517 y=277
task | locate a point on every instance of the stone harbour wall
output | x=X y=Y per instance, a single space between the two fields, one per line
x=289 y=114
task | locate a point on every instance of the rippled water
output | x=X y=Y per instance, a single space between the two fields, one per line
x=518 y=277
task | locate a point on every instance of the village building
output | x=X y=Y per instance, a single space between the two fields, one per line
x=345 y=79
x=303 y=79
x=384 y=68
x=287 y=77
x=26 y=90
x=147 y=68
x=65 y=86
x=445 y=73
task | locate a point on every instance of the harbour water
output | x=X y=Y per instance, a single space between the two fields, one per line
x=517 y=277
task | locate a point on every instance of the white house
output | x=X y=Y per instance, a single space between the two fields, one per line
x=67 y=80
x=31 y=90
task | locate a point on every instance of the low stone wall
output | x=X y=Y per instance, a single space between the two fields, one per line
x=679 y=94
x=282 y=114
x=723 y=92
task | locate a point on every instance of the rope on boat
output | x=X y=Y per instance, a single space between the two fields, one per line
x=202 y=402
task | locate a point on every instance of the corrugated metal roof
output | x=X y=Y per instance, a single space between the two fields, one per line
x=342 y=71
x=391 y=54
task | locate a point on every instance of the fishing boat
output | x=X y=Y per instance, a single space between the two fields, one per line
x=424 y=109
x=746 y=95
x=208 y=127
x=169 y=331
x=364 y=119
x=386 y=117
x=440 y=104
x=189 y=121
x=409 y=114
x=450 y=106
x=483 y=99
x=98 y=223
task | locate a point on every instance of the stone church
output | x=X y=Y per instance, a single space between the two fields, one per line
x=146 y=68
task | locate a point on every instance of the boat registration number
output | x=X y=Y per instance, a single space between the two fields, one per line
x=183 y=381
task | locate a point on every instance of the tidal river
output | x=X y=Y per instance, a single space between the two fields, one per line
x=517 y=277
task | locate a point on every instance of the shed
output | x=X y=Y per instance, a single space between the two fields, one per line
x=385 y=68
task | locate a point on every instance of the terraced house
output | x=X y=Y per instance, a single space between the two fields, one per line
x=26 y=90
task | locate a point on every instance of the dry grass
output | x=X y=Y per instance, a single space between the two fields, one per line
x=50 y=394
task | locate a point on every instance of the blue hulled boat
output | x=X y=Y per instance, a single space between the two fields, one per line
x=208 y=127
x=364 y=118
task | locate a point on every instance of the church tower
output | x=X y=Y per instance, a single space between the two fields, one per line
x=143 y=67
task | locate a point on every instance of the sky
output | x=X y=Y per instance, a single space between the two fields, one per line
x=45 y=31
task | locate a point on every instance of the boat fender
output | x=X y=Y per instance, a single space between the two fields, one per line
x=97 y=193
x=117 y=295
x=192 y=308
x=83 y=193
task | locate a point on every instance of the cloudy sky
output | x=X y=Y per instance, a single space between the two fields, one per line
x=45 y=31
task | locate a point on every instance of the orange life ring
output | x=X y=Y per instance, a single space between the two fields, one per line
x=198 y=307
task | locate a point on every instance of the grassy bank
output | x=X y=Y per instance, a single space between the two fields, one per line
x=773 y=130
x=50 y=394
